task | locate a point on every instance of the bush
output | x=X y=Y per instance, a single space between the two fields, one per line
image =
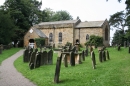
x=95 y=40
x=40 y=41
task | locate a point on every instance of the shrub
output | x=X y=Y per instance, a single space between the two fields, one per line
x=40 y=41
x=95 y=40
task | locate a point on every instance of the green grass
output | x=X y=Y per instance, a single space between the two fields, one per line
x=7 y=53
x=113 y=72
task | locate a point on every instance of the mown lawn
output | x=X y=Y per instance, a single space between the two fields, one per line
x=7 y=53
x=113 y=72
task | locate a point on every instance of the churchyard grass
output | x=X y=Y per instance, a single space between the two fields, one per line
x=113 y=72
x=7 y=53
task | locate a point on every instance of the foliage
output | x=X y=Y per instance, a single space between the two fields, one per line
x=6 y=28
x=24 y=14
x=118 y=37
x=95 y=40
x=50 y=15
x=68 y=44
x=105 y=73
x=40 y=41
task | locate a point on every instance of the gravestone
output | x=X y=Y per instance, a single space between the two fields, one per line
x=93 y=59
x=37 y=60
x=72 y=59
x=44 y=58
x=26 y=56
x=50 y=57
x=100 y=56
x=86 y=52
x=1 y=49
x=30 y=53
x=65 y=61
x=125 y=44
x=119 y=47
x=107 y=54
x=57 y=70
x=103 y=56
x=83 y=55
x=32 y=60
x=73 y=49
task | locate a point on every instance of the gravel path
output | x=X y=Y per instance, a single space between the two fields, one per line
x=9 y=76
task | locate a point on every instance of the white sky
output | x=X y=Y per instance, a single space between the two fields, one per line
x=87 y=10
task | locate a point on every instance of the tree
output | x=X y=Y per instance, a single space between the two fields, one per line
x=61 y=15
x=24 y=14
x=6 y=28
x=49 y=15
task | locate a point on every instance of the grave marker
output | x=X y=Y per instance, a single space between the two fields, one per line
x=93 y=60
x=72 y=59
x=50 y=57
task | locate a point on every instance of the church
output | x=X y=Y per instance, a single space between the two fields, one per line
x=72 y=31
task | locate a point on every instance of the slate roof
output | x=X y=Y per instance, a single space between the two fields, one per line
x=90 y=24
x=58 y=22
x=39 y=33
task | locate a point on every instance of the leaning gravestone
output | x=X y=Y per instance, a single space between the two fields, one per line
x=32 y=59
x=65 y=61
x=107 y=53
x=100 y=56
x=26 y=56
x=37 y=60
x=83 y=55
x=30 y=53
x=50 y=57
x=44 y=58
x=57 y=70
x=72 y=59
x=93 y=59
x=103 y=55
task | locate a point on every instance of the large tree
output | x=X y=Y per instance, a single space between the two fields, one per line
x=24 y=14
x=6 y=28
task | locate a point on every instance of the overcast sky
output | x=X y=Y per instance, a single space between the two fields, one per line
x=87 y=10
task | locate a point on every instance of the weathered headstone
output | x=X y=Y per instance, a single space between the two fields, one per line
x=44 y=58
x=91 y=49
x=30 y=53
x=37 y=60
x=86 y=52
x=100 y=56
x=83 y=55
x=93 y=59
x=107 y=54
x=72 y=59
x=26 y=56
x=103 y=55
x=65 y=61
x=57 y=70
x=119 y=47
x=50 y=57
x=32 y=60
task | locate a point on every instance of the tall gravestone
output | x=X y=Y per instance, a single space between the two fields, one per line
x=107 y=54
x=65 y=61
x=37 y=60
x=44 y=58
x=32 y=59
x=26 y=56
x=103 y=56
x=72 y=59
x=30 y=53
x=93 y=59
x=83 y=55
x=100 y=56
x=57 y=70
x=50 y=57
x=129 y=49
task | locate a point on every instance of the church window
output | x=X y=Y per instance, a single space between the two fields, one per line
x=60 y=37
x=87 y=37
x=50 y=37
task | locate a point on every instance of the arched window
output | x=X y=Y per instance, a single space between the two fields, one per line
x=106 y=34
x=60 y=37
x=50 y=37
x=87 y=37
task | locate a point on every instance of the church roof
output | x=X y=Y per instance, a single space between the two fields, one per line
x=58 y=22
x=90 y=24
x=39 y=33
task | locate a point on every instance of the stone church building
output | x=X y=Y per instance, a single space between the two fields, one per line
x=73 y=31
